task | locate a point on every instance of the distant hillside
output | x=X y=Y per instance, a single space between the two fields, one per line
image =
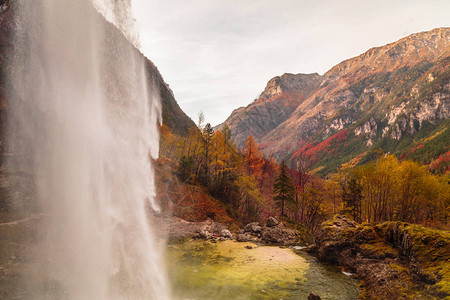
x=394 y=98
x=173 y=117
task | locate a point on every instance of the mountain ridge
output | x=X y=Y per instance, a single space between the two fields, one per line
x=360 y=88
x=277 y=102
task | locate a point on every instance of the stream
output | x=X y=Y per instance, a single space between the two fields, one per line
x=230 y=270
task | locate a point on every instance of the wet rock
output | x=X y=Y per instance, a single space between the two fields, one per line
x=375 y=273
x=271 y=222
x=278 y=235
x=333 y=252
x=365 y=251
x=242 y=237
x=179 y=229
x=313 y=296
x=364 y=234
x=343 y=222
x=420 y=275
x=201 y=234
x=312 y=249
x=225 y=233
x=252 y=228
x=400 y=240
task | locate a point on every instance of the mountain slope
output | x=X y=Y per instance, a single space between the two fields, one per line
x=386 y=98
x=280 y=98
x=172 y=115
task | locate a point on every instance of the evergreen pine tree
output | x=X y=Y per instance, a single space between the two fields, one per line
x=207 y=133
x=352 y=197
x=284 y=190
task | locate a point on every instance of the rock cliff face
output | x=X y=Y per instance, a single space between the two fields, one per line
x=172 y=114
x=399 y=91
x=277 y=102
x=394 y=260
x=5 y=45
x=408 y=51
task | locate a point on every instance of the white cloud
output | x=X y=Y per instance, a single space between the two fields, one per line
x=217 y=55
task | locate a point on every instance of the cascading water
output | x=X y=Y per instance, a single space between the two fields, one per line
x=85 y=122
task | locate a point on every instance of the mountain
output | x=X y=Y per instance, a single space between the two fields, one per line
x=282 y=95
x=394 y=98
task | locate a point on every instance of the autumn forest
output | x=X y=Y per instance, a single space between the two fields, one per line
x=252 y=187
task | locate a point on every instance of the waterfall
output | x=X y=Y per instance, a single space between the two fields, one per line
x=84 y=118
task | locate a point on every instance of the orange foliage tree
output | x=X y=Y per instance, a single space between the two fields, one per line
x=253 y=157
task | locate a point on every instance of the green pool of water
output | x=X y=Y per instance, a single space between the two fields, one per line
x=228 y=270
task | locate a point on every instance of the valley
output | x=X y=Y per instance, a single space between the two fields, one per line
x=332 y=186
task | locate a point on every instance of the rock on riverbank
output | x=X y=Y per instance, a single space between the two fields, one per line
x=394 y=260
x=272 y=232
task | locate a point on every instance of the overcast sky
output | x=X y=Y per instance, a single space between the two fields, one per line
x=218 y=55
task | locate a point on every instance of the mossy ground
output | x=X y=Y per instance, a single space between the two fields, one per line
x=428 y=255
x=431 y=247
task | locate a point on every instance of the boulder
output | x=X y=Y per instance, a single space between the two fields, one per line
x=271 y=222
x=279 y=235
x=341 y=221
x=373 y=252
x=313 y=296
x=226 y=234
x=202 y=234
x=252 y=228
x=242 y=237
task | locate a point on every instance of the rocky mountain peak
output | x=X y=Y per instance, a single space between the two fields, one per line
x=408 y=51
x=290 y=83
x=279 y=99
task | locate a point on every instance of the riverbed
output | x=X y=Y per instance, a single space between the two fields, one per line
x=231 y=270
